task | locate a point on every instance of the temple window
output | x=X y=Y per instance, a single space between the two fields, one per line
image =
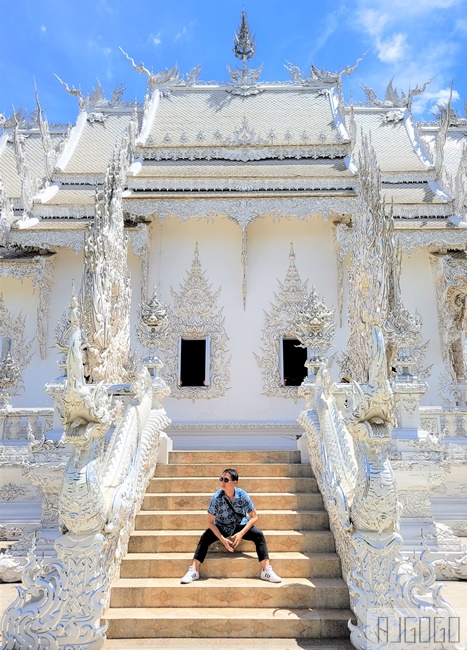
x=292 y=361
x=193 y=361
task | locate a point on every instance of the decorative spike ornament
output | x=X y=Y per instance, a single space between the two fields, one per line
x=244 y=80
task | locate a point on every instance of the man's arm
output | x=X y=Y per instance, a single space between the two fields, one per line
x=227 y=542
x=253 y=518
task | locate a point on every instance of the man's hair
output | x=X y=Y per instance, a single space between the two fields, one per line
x=233 y=474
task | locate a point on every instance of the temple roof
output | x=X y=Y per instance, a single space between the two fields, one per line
x=91 y=143
x=205 y=140
x=394 y=138
x=34 y=157
x=213 y=117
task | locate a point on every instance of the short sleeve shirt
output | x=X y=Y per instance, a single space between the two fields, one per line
x=224 y=515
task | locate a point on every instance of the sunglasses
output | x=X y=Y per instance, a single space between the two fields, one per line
x=224 y=480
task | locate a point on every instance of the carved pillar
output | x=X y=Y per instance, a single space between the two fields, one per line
x=407 y=396
x=153 y=321
x=140 y=240
x=450 y=274
x=342 y=243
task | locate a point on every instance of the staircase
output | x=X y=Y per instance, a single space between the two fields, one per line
x=229 y=601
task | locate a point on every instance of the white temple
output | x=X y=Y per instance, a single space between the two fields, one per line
x=236 y=230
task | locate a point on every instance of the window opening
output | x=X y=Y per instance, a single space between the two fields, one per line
x=293 y=358
x=194 y=362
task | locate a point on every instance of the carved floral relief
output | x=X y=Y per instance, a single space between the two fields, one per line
x=280 y=321
x=195 y=314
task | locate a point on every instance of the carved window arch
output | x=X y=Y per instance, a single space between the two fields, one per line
x=196 y=315
x=279 y=324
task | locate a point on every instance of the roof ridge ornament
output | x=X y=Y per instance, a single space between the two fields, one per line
x=392 y=97
x=244 y=80
x=166 y=78
x=320 y=79
x=96 y=98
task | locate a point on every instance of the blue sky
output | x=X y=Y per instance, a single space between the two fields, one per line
x=410 y=40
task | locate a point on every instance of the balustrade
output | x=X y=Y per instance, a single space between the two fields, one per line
x=19 y=423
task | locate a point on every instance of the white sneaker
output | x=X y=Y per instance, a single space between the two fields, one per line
x=191 y=575
x=268 y=574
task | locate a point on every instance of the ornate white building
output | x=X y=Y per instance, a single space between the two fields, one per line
x=265 y=225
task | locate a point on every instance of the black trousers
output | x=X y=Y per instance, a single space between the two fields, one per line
x=253 y=535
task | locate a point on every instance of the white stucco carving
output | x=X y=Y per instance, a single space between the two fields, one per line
x=281 y=320
x=195 y=314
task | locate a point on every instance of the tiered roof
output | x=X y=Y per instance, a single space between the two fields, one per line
x=244 y=140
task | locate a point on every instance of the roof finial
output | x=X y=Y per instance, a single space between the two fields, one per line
x=244 y=81
x=244 y=46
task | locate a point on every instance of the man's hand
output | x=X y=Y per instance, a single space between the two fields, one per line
x=236 y=539
x=228 y=544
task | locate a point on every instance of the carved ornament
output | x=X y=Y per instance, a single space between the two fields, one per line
x=242 y=210
x=105 y=294
x=394 y=98
x=279 y=321
x=15 y=351
x=450 y=276
x=19 y=265
x=319 y=79
x=244 y=80
x=371 y=261
x=195 y=314
x=166 y=79
x=245 y=153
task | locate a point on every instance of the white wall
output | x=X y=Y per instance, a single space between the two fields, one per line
x=268 y=260
x=220 y=242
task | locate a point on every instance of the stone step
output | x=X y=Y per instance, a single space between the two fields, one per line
x=232 y=458
x=250 y=484
x=179 y=622
x=329 y=593
x=196 y=520
x=270 y=470
x=195 y=501
x=181 y=541
x=215 y=643
x=236 y=565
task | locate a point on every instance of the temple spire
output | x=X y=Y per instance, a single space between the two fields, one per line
x=244 y=41
x=244 y=80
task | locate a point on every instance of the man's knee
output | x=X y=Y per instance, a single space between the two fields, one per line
x=257 y=534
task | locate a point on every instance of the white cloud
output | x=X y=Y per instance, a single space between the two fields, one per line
x=186 y=32
x=331 y=23
x=372 y=21
x=460 y=26
x=392 y=49
x=155 y=39
x=429 y=100
x=43 y=28
x=409 y=40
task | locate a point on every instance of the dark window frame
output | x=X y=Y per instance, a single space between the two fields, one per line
x=207 y=361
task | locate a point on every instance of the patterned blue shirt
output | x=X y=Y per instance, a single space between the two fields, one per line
x=224 y=516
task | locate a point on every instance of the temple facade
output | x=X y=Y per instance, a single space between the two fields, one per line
x=266 y=227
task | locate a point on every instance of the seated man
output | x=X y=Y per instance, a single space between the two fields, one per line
x=228 y=522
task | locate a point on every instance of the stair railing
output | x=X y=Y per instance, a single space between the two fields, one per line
x=62 y=602
x=394 y=602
